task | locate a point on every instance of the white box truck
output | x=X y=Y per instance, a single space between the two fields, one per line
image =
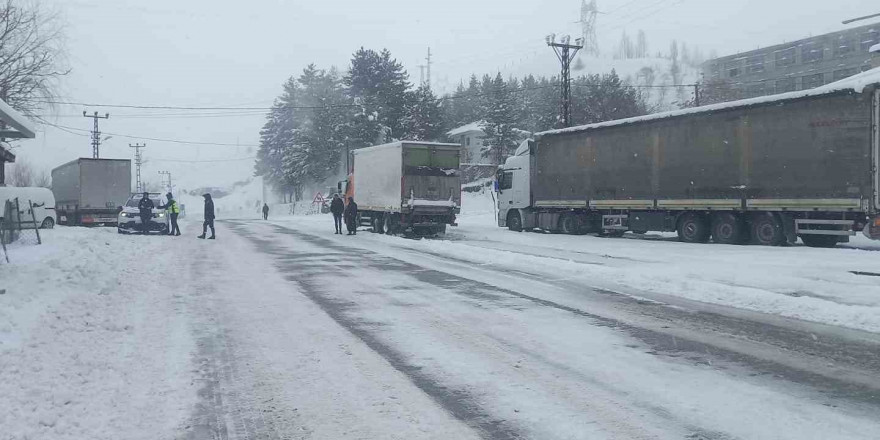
x=407 y=186
x=91 y=191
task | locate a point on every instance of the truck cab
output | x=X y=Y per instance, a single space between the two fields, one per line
x=514 y=193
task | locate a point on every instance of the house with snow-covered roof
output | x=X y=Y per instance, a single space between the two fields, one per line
x=470 y=137
x=12 y=126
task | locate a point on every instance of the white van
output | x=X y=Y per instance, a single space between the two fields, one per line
x=42 y=199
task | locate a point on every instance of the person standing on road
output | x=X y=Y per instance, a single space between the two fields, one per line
x=209 y=217
x=265 y=211
x=350 y=214
x=337 y=207
x=145 y=206
x=174 y=211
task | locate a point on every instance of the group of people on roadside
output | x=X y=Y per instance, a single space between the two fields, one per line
x=146 y=206
x=342 y=211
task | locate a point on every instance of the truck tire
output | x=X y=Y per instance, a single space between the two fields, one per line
x=820 y=241
x=390 y=224
x=514 y=221
x=378 y=224
x=767 y=230
x=728 y=228
x=570 y=224
x=693 y=228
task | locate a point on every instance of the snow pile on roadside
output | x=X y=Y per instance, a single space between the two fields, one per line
x=90 y=345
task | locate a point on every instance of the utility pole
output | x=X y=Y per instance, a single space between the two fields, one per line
x=138 y=160
x=96 y=134
x=428 y=59
x=697 y=95
x=421 y=74
x=566 y=53
x=168 y=174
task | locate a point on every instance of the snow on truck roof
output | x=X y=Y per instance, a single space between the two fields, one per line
x=398 y=144
x=856 y=83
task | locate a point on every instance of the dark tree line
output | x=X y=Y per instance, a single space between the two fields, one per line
x=322 y=113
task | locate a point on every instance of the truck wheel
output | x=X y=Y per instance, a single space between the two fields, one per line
x=48 y=223
x=390 y=225
x=570 y=224
x=728 y=228
x=378 y=224
x=514 y=222
x=820 y=241
x=693 y=228
x=767 y=230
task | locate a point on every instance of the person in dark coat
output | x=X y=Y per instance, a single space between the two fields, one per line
x=337 y=207
x=145 y=206
x=209 y=217
x=350 y=214
x=265 y=211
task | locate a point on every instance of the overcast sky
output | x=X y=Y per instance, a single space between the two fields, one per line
x=208 y=53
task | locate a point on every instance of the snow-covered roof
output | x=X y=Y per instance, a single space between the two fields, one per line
x=15 y=120
x=875 y=48
x=856 y=83
x=467 y=128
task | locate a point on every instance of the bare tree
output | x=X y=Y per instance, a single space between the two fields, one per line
x=42 y=178
x=31 y=54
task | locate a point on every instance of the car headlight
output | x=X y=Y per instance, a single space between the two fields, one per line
x=160 y=215
x=123 y=214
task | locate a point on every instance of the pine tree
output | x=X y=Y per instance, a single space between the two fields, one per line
x=500 y=119
x=379 y=84
x=424 y=117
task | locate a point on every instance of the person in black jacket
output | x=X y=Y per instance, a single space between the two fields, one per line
x=209 y=217
x=350 y=214
x=265 y=211
x=145 y=206
x=337 y=207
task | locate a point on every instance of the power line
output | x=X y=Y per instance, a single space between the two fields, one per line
x=204 y=161
x=128 y=136
x=175 y=107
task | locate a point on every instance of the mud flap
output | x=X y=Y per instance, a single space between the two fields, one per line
x=788 y=228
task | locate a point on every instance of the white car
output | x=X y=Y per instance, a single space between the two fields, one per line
x=42 y=199
x=129 y=220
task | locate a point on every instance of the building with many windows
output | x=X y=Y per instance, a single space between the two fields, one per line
x=799 y=65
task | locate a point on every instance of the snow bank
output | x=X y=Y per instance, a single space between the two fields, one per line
x=90 y=343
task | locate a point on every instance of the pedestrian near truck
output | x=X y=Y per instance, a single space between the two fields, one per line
x=173 y=211
x=337 y=208
x=350 y=214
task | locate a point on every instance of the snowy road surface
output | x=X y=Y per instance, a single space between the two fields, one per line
x=283 y=330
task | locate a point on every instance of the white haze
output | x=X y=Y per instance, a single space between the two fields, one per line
x=207 y=53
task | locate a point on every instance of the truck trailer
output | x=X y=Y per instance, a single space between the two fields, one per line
x=406 y=186
x=765 y=170
x=91 y=191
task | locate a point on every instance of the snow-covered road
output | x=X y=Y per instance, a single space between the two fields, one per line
x=281 y=329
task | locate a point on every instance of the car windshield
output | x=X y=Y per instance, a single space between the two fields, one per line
x=449 y=219
x=133 y=203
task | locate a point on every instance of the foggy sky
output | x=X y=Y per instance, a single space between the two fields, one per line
x=221 y=53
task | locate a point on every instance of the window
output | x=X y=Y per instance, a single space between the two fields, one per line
x=785 y=85
x=845 y=45
x=755 y=64
x=812 y=81
x=733 y=68
x=506 y=180
x=869 y=39
x=813 y=51
x=844 y=73
x=785 y=57
x=468 y=141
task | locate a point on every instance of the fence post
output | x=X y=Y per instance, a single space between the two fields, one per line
x=34 y=219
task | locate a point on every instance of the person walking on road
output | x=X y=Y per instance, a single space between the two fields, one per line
x=337 y=207
x=174 y=211
x=265 y=211
x=350 y=214
x=145 y=206
x=209 y=217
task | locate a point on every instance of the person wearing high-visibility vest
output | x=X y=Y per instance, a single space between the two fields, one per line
x=174 y=210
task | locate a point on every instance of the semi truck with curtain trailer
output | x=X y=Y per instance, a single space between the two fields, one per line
x=406 y=186
x=765 y=171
